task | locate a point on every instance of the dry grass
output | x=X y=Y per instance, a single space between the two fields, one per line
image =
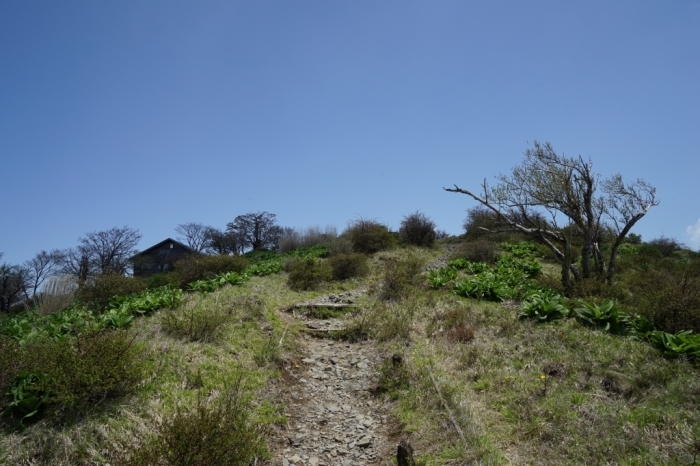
x=57 y=293
x=177 y=371
x=603 y=399
x=607 y=400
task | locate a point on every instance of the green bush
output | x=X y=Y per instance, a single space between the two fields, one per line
x=212 y=433
x=340 y=245
x=369 y=236
x=72 y=375
x=198 y=267
x=198 y=321
x=418 y=230
x=158 y=280
x=477 y=251
x=9 y=367
x=96 y=293
x=308 y=274
x=671 y=304
x=394 y=376
x=350 y=265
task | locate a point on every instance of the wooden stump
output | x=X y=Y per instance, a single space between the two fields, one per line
x=404 y=454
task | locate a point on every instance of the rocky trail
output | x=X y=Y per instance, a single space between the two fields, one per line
x=334 y=418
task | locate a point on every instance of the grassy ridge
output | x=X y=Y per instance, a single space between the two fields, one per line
x=521 y=392
x=564 y=392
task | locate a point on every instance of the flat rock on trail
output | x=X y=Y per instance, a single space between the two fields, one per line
x=334 y=419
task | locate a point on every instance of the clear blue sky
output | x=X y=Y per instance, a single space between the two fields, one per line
x=154 y=113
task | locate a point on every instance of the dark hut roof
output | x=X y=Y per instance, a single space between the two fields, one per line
x=155 y=246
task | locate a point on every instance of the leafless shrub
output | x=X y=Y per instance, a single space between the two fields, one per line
x=417 y=229
x=305 y=238
x=461 y=334
x=348 y=265
x=477 y=251
x=399 y=277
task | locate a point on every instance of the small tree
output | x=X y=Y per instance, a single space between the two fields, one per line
x=14 y=281
x=256 y=230
x=41 y=267
x=77 y=263
x=223 y=243
x=109 y=250
x=194 y=234
x=417 y=229
x=552 y=184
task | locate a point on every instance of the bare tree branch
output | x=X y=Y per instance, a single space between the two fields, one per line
x=194 y=234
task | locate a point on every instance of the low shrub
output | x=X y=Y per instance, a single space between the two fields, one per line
x=477 y=251
x=478 y=220
x=460 y=334
x=399 y=276
x=72 y=375
x=418 y=230
x=369 y=236
x=158 y=280
x=394 y=376
x=589 y=288
x=269 y=353
x=393 y=320
x=671 y=304
x=198 y=267
x=216 y=432
x=9 y=367
x=96 y=293
x=350 y=265
x=340 y=245
x=308 y=274
x=450 y=319
x=195 y=321
x=666 y=246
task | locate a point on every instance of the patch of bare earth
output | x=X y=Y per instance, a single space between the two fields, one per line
x=333 y=416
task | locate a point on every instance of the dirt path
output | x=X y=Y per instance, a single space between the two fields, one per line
x=334 y=419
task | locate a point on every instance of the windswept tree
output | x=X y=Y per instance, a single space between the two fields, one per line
x=256 y=230
x=193 y=234
x=547 y=186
